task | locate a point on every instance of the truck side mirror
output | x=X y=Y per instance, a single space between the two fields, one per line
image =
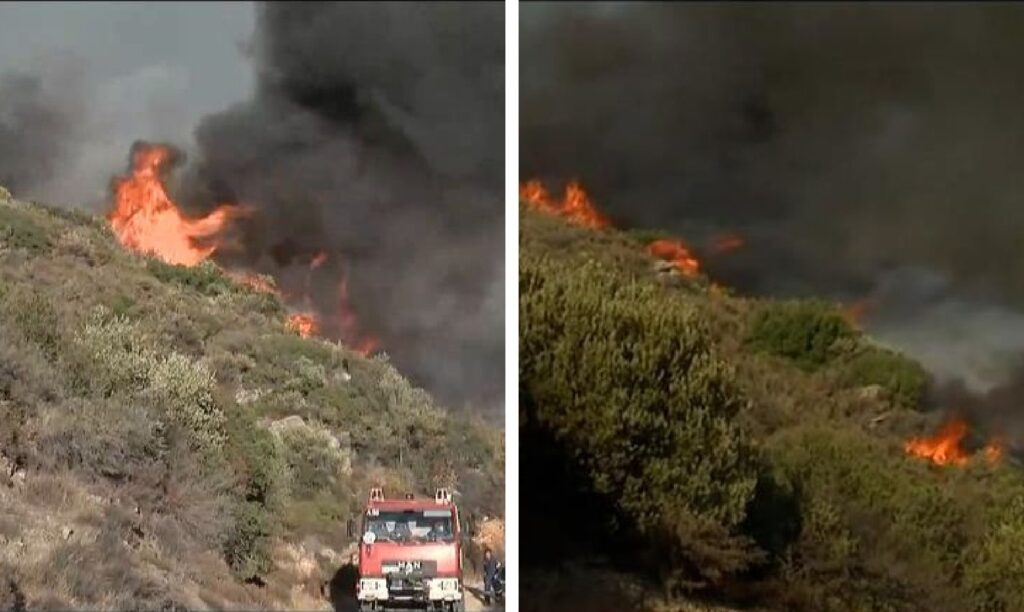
x=350 y=528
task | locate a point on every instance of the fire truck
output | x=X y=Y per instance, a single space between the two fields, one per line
x=410 y=554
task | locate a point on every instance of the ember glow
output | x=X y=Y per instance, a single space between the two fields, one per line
x=946 y=447
x=857 y=312
x=575 y=206
x=359 y=342
x=146 y=220
x=725 y=243
x=677 y=253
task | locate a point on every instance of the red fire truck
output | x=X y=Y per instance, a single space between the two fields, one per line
x=410 y=553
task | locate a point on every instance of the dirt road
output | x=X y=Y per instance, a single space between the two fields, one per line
x=475 y=602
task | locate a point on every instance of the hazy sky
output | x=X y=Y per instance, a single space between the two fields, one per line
x=128 y=70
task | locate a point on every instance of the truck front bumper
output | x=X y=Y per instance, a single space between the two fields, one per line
x=429 y=589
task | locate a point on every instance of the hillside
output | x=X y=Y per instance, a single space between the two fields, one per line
x=168 y=441
x=686 y=444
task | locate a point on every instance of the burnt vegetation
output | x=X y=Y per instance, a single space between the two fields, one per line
x=693 y=446
x=167 y=442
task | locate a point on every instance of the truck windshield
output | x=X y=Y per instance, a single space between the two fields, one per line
x=410 y=525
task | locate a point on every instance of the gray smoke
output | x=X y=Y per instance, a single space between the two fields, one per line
x=863 y=150
x=79 y=82
x=38 y=127
x=376 y=135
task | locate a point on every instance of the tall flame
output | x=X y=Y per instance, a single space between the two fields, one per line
x=146 y=220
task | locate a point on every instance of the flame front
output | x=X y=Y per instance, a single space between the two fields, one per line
x=575 y=206
x=677 y=253
x=146 y=220
x=945 y=448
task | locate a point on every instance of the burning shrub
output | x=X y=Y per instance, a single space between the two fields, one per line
x=629 y=384
x=804 y=332
x=904 y=379
x=871 y=529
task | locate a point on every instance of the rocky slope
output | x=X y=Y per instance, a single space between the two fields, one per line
x=168 y=441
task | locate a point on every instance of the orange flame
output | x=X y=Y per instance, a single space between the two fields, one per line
x=254 y=281
x=146 y=220
x=306 y=324
x=857 y=312
x=362 y=344
x=575 y=206
x=945 y=447
x=993 y=451
x=725 y=243
x=678 y=254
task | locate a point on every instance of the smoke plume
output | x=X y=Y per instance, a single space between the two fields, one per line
x=862 y=150
x=376 y=135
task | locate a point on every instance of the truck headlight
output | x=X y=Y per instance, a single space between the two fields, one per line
x=448 y=589
x=373 y=588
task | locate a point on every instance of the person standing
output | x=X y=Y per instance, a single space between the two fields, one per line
x=490 y=572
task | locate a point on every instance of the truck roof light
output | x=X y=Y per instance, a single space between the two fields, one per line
x=443 y=496
x=377 y=494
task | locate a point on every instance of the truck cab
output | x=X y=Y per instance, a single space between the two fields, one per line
x=410 y=553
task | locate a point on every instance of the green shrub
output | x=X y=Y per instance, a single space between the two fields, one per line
x=206 y=278
x=111 y=355
x=994 y=574
x=75 y=216
x=20 y=230
x=247 y=549
x=107 y=439
x=313 y=462
x=256 y=459
x=873 y=527
x=187 y=387
x=904 y=380
x=805 y=332
x=115 y=357
x=627 y=380
x=33 y=314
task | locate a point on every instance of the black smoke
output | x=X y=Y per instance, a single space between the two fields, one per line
x=376 y=135
x=864 y=150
